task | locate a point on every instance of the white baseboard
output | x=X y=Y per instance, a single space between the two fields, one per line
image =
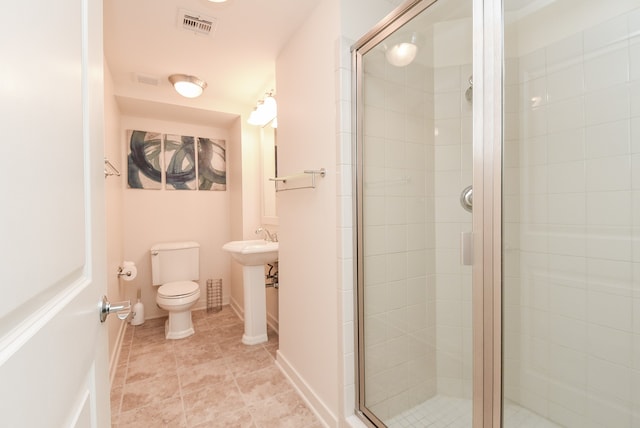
x=273 y=323
x=239 y=310
x=354 y=422
x=115 y=352
x=314 y=402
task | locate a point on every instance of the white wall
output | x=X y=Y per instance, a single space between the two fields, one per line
x=307 y=140
x=269 y=215
x=114 y=215
x=316 y=242
x=359 y=17
x=153 y=216
x=244 y=190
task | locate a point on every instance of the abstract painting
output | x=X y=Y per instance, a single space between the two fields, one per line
x=181 y=162
x=179 y=155
x=212 y=167
x=144 y=168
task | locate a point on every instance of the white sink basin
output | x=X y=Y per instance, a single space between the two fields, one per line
x=253 y=255
x=254 y=252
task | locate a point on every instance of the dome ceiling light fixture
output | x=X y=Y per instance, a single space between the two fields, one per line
x=403 y=53
x=188 y=86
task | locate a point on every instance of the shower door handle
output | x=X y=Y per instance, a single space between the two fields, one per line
x=466 y=248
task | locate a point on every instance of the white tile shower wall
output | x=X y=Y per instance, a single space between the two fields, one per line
x=452 y=172
x=399 y=244
x=572 y=276
x=344 y=215
x=511 y=234
x=418 y=156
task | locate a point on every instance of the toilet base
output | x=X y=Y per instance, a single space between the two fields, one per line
x=179 y=325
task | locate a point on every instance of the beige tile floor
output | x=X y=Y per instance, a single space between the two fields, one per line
x=207 y=380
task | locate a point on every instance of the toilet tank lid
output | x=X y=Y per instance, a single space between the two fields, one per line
x=174 y=245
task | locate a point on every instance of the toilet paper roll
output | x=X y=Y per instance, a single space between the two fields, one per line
x=128 y=271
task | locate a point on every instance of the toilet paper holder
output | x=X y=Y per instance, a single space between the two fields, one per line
x=127 y=271
x=122 y=272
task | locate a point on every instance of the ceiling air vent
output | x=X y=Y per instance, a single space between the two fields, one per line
x=146 y=79
x=199 y=24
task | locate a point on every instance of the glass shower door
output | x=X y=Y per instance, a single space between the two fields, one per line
x=414 y=159
x=571 y=215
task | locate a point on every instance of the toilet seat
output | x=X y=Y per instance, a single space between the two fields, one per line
x=178 y=289
x=178 y=298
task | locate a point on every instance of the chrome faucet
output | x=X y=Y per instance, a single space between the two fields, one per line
x=268 y=236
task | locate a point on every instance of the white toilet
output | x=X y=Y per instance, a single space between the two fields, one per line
x=174 y=267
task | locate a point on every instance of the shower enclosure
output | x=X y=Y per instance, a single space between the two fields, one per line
x=498 y=215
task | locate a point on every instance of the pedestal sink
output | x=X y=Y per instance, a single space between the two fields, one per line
x=253 y=255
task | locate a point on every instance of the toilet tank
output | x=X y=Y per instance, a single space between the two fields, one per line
x=175 y=261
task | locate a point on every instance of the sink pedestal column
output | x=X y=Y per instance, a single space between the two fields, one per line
x=255 y=305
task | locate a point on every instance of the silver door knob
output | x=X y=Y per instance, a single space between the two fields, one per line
x=122 y=309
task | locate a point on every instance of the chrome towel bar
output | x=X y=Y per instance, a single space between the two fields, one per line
x=109 y=169
x=312 y=173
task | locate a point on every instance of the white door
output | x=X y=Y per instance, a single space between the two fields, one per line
x=53 y=356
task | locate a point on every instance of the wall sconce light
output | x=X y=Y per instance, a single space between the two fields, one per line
x=266 y=111
x=403 y=53
x=187 y=86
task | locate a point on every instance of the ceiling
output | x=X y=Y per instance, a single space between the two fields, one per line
x=143 y=42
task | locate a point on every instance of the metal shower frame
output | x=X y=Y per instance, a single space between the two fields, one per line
x=488 y=74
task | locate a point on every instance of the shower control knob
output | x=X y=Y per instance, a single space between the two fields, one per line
x=466 y=198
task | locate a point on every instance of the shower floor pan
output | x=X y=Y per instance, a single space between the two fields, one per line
x=451 y=412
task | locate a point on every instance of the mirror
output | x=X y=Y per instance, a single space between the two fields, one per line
x=269 y=170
